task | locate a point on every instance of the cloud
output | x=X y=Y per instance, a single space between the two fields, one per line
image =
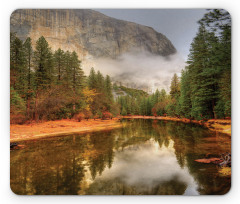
x=142 y=69
x=146 y=166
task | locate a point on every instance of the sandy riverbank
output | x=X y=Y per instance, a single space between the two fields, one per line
x=219 y=125
x=58 y=128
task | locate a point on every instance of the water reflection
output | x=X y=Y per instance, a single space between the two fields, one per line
x=143 y=157
x=145 y=169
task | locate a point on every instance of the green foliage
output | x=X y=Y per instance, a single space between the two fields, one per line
x=59 y=64
x=185 y=96
x=17 y=107
x=220 y=109
x=175 y=87
x=18 y=77
x=123 y=112
x=206 y=81
x=103 y=86
x=49 y=86
x=16 y=102
x=43 y=64
x=171 y=108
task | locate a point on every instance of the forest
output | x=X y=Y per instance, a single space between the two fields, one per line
x=51 y=85
x=47 y=85
x=204 y=89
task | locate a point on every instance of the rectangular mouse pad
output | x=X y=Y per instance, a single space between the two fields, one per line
x=120 y=102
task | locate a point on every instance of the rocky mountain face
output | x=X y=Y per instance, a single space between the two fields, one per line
x=89 y=33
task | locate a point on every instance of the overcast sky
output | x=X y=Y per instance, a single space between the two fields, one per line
x=178 y=25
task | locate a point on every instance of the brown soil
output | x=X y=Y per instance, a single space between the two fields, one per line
x=58 y=127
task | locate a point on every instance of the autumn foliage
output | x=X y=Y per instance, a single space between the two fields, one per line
x=51 y=85
x=107 y=115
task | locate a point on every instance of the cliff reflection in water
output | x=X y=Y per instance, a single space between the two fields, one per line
x=143 y=157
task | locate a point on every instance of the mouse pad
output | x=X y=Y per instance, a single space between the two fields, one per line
x=120 y=102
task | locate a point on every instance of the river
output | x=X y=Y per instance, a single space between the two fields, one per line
x=144 y=157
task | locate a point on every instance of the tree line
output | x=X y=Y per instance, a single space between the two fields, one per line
x=49 y=85
x=204 y=89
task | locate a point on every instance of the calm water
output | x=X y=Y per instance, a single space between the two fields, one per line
x=143 y=157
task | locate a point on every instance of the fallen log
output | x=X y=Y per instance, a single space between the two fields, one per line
x=223 y=161
x=210 y=160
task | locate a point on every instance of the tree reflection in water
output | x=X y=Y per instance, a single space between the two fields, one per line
x=143 y=157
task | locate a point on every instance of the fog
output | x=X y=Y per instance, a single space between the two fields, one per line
x=141 y=70
x=148 y=165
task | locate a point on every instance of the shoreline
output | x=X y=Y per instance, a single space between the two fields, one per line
x=69 y=127
x=219 y=125
x=57 y=128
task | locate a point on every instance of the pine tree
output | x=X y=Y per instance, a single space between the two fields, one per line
x=175 y=87
x=92 y=79
x=173 y=106
x=77 y=80
x=77 y=73
x=28 y=51
x=18 y=77
x=43 y=69
x=108 y=88
x=100 y=82
x=67 y=67
x=163 y=95
x=43 y=64
x=204 y=74
x=59 y=64
x=219 y=22
x=185 y=96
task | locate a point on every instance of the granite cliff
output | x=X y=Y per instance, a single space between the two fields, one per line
x=90 y=33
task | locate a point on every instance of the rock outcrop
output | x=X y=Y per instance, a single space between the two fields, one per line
x=89 y=33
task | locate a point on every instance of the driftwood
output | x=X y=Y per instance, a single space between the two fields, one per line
x=223 y=161
x=14 y=145
x=209 y=160
x=226 y=160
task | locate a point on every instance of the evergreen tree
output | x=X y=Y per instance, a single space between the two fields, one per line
x=92 y=79
x=77 y=80
x=173 y=106
x=28 y=51
x=43 y=69
x=77 y=73
x=219 y=22
x=43 y=64
x=59 y=64
x=67 y=74
x=163 y=95
x=175 y=87
x=108 y=87
x=203 y=76
x=18 y=77
x=185 y=97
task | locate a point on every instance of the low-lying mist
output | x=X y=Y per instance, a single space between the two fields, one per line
x=141 y=70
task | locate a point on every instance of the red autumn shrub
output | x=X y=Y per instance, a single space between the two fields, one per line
x=106 y=115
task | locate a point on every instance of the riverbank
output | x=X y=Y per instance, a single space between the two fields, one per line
x=67 y=127
x=59 y=127
x=219 y=125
